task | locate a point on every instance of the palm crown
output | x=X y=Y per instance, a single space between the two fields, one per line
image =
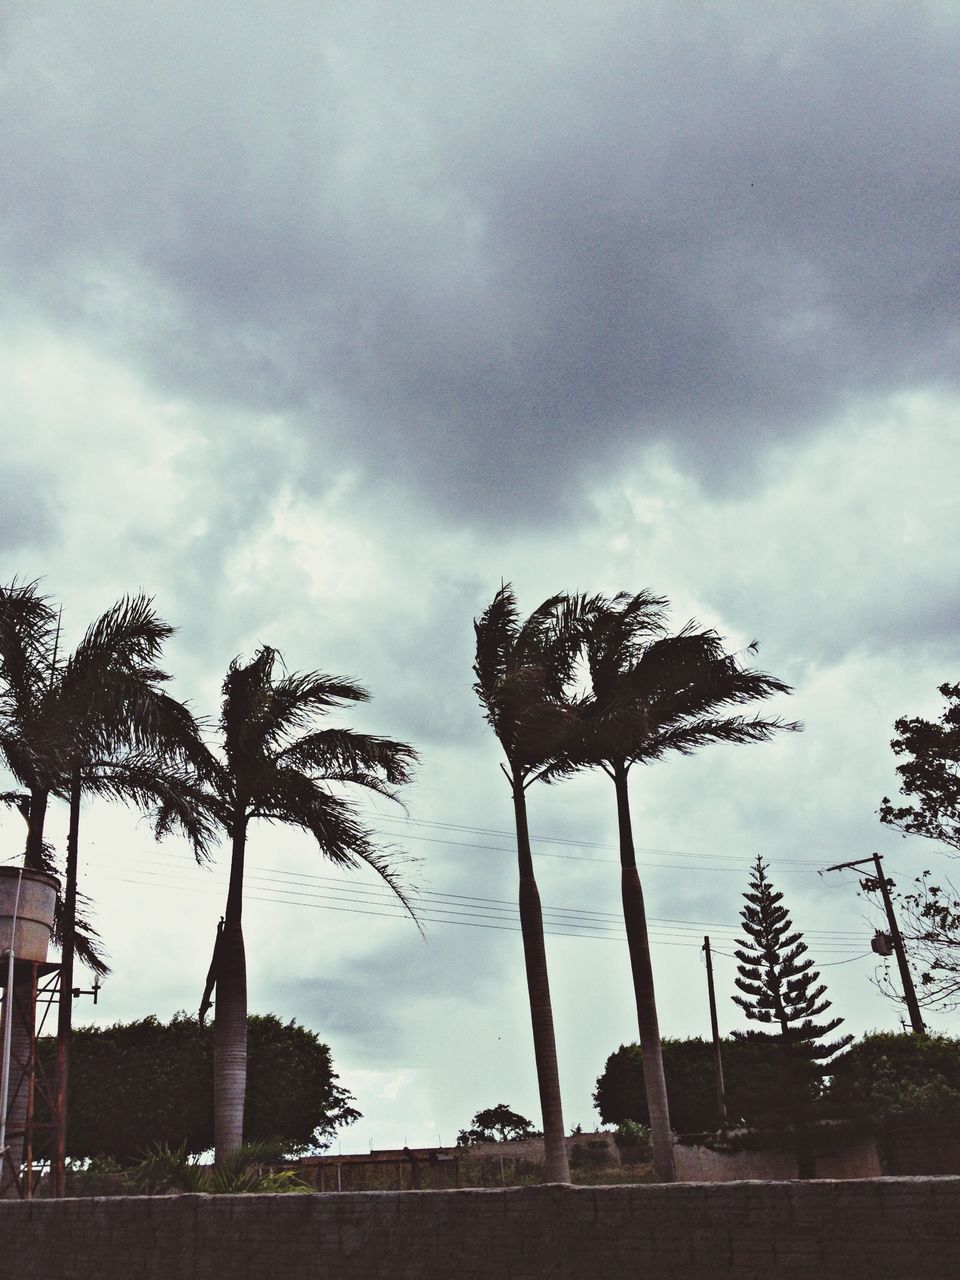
x=268 y=769
x=523 y=671
x=653 y=693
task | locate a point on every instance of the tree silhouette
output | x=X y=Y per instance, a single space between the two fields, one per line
x=523 y=670
x=652 y=694
x=780 y=985
x=276 y=767
x=782 y=989
x=930 y=773
x=95 y=721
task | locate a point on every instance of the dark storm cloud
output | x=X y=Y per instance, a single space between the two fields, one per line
x=492 y=254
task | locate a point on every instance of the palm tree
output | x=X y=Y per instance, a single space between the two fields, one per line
x=276 y=767
x=95 y=722
x=522 y=674
x=652 y=694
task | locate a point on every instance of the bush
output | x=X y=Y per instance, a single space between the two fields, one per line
x=898 y=1080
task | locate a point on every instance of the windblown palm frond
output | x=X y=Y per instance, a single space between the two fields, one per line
x=28 y=625
x=523 y=673
x=654 y=693
x=341 y=755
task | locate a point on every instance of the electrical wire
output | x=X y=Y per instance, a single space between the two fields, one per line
x=477 y=905
x=372 y=903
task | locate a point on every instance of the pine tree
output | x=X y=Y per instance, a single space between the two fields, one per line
x=782 y=989
x=778 y=979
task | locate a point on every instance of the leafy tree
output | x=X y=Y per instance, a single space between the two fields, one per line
x=750 y=1070
x=523 y=670
x=496 y=1124
x=134 y=1085
x=277 y=767
x=930 y=773
x=652 y=694
x=898 y=1080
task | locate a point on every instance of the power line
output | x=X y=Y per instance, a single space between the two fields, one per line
x=807 y=864
x=498 y=905
x=439 y=913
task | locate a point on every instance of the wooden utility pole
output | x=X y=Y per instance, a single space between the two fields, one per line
x=717 y=1057
x=906 y=978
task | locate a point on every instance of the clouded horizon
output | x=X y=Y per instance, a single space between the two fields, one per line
x=320 y=321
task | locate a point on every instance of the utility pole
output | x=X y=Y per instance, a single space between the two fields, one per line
x=909 y=994
x=717 y=1059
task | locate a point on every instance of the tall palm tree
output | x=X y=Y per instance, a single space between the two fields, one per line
x=275 y=766
x=93 y=722
x=653 y=694
x=523 y=670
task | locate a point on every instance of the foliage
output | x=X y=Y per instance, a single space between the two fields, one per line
x=653 y=694
x=782 y=989
x=752 y=1070
x=93 y=722
x=523 y=671
x=147 y=1082
x=896 y=1080
x=167 y=1169
x=633 y=1135
x=930 y=774
x=778 y=980
x=277 y=766
x=929 y=920
x=496 y=1124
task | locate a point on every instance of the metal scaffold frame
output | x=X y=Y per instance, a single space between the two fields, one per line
x=36 y=986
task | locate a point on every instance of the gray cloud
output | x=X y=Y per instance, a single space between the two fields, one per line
x=493 y=258
x=26 y=511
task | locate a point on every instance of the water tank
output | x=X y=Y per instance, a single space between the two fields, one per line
x=38 y=896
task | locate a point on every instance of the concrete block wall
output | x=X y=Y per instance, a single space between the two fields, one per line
x=894 y=1228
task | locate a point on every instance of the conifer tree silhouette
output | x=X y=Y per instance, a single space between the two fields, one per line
x=782 y=990
x=779 y=982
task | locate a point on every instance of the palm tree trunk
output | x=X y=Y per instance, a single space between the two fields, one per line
x=65 y=1010
x=635 y=920
x=230 y=1013
x=556 y=1166
x=33 y=854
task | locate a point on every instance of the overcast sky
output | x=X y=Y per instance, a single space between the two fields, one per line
x=320 y=319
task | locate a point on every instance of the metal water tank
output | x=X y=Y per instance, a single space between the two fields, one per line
x=38 y=897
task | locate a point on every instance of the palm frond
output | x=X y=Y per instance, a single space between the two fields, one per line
x=28 y=626
x=522 y=672
x=654 y=693
x=173 y=797
x=128 y=636
x=297 y=800
x=297 y=698
x=87 y=943
x=496 y=632
x=687 y=737
x=344 y=755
